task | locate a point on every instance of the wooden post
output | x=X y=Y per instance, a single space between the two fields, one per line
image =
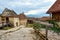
x=46 y=32
x=51 y=15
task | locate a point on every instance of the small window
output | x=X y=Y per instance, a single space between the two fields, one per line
x=2 y=19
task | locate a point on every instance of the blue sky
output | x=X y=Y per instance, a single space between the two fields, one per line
x=36 y=8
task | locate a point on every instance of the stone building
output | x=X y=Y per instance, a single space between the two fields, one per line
x=10 y=17
x=22 y=19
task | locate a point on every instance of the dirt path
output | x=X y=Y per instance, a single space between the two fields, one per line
x=21 y=34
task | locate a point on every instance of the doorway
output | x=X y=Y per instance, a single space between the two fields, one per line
x=17 y=24
x=7 y=20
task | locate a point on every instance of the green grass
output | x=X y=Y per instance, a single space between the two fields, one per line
x=36 y=26
x=29 y=25
x=5 y=28
x=55 y=27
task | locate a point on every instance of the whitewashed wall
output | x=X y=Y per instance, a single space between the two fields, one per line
x=16 y=20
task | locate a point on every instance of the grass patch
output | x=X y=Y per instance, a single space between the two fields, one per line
x=29 y=25
x=5 y=28
x=55 y=27
x=36 y=26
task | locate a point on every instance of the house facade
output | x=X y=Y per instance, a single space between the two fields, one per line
x=10 y=17
x=22 y=19
x=54 y=11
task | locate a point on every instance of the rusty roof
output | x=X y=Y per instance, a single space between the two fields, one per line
x=22 y=16
x=45 y=18
x=55 y=7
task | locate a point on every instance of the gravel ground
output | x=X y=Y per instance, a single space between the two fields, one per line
x=51 y=35
x=21 y=34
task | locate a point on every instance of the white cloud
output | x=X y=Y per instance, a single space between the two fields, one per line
x=49 y=0
x=19 y=3
x=42 y=9
x=32 y=12
x=37 y=11
x=28 y=3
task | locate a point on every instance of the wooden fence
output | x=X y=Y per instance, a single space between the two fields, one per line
x=47 y=25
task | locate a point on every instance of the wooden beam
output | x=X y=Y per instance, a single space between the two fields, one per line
x=51 y=15
x=46 y=32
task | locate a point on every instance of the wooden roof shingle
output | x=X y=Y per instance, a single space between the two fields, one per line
x=55 y=7
x=8 y=12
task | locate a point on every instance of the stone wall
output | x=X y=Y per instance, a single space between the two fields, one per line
x=2 y=19
x=23 y=22
x=11 y=20
x=16 y=22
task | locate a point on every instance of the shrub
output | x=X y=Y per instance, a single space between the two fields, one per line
x=36 y=26
x=53 y=22
x=30 y=25
x=55 y=26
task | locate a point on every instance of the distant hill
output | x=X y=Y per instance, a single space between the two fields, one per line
x=31 y=15
x=37 y=15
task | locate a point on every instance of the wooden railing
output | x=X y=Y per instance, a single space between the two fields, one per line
x=40 y=35
x=47 y=25
x=1 y=24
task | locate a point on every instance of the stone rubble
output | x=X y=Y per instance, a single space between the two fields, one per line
x=51 y=35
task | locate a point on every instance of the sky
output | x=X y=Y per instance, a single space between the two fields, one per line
x=32 y=8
